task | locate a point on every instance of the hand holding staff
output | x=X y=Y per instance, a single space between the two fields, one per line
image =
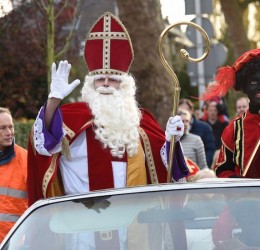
x=176 y=83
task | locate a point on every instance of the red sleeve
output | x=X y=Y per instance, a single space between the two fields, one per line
x=36 y=167
x=149 y=122
x=32 y=179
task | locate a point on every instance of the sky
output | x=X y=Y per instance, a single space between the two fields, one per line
x=5 y=6
x=174 y=9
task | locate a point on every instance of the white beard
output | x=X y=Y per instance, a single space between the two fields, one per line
x=116 y=115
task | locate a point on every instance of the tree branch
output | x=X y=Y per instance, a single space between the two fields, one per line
x=72 y=31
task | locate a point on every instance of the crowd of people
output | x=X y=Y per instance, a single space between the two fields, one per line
x=108 y=141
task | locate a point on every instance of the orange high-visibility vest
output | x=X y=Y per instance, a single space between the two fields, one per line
x=13 y=190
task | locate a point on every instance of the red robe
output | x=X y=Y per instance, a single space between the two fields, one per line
x=43 y=171
x=239 y=142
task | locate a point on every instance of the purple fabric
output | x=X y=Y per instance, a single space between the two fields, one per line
x=54 y=135
x=179 y=166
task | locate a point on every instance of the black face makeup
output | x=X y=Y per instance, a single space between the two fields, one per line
x=253 y=88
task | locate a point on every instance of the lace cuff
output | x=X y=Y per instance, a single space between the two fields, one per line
x=45 y=142
x=163 y=153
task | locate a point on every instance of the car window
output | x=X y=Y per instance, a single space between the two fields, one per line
x=202 y=218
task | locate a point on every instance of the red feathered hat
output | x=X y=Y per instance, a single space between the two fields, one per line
x=108 y=48
x=226 y=76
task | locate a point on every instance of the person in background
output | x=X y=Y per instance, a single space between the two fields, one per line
x=201 y=129
x=105 y=141
x=193 y=147
x=239 y=154
x=216 y=120
x=198 y=114
x=221 y=105
x=13 y=175
x=242 y=105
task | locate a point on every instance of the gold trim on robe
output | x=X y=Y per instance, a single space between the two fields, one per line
x=149 y=155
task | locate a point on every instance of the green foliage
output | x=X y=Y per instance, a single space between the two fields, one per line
x=23 y=72
x=22 y=131
x=186 y=89
x=23 y=69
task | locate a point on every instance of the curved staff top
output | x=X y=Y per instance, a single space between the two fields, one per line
x=176 y=83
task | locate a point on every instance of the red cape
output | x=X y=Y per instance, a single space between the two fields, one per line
x=75 y=116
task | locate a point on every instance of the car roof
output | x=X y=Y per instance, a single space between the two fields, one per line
x=203 y=183
x=209 y=183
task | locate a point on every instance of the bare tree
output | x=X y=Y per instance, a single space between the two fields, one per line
x=236 y=18
x=51 y=12
x=144 y=23
x=234 y=11
x=32 y=36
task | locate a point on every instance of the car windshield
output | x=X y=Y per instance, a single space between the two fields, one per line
x=202 y=218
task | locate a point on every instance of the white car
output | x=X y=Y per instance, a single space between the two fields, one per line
x=211 y=214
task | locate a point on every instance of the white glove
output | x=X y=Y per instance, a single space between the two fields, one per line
x=174 y=127
x=60 y=88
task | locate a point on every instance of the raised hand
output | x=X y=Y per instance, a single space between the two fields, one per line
x=60 y=87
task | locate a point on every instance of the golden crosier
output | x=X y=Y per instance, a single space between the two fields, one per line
x=176 y=83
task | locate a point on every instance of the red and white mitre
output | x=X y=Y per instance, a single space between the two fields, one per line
x=108 y=47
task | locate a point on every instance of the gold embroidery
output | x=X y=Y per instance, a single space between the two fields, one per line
x=149 y=157
x=68 y=131
x=65 y=143
x=65 y=148
x=69 y=136
x=86 y=124
x=237 y=141
x=48 y=175
x=107 y=35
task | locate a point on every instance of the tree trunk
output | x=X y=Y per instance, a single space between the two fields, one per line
x=143 y=20
x=50 y=40
x=237 y=31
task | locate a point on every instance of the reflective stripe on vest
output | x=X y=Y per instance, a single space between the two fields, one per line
x=9 y=217
x=13 y=192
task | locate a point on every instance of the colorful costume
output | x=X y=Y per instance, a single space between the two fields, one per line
x=44 y=176
x=67 y=154
x=239 y=139
x=239 y=153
